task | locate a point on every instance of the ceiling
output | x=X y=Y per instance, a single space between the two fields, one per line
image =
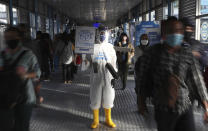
x=86 y=12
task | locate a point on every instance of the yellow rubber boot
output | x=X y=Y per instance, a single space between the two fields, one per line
x=108 y=119
x=95 y=123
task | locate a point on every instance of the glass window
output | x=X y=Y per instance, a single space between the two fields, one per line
x=15 y=16
x=204 y=30
x=202 y=22
x=165 y=12
x=32 y=25
x=2 y=7
x=32 y=20
x=175 y=8
x=3 y=14
x=203 y=7
x=3 y=21
x=47 y=25
x=140 y=18
x=153 y=16
x=147 y=17
x=55 y=27
x=39 y=22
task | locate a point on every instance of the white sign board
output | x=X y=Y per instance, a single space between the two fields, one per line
x=85 y=40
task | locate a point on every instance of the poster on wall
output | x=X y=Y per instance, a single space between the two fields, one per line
x=85 y=39
x=204 y=31
x=151 y=28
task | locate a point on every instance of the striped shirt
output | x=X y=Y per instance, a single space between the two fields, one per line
x=161 y=63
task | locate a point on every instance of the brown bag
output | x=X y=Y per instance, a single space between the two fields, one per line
x=173 y=86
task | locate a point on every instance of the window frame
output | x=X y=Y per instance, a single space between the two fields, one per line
x=199 y=16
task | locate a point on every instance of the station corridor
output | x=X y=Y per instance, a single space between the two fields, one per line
x=66 y=108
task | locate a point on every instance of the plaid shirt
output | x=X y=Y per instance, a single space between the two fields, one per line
x=156 y=65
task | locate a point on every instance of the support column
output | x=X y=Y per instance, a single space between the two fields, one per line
x=58 y=26
x=150 y=6
x=169 y=7
x=36 y=14
x=10 y=12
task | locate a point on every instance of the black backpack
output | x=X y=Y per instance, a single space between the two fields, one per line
x=12 y=86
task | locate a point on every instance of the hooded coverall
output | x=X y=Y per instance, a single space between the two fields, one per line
x=101 y=91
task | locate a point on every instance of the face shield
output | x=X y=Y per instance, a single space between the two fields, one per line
x=101 y=36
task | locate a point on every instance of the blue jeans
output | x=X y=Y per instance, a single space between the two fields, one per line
x=56 y=62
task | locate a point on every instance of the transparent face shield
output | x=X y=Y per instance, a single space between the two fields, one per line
x=100 y=37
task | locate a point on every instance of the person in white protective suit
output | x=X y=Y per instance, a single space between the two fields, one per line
x=101 y=91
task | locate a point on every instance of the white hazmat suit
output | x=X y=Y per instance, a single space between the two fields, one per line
x=101 y=91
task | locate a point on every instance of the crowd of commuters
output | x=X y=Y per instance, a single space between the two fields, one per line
x=170 y=73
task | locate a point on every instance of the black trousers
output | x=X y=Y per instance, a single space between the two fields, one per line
x=123 y=71
x=6 y=120
x=170 y=121
x=17 y=119
x=22 y=116
x=45 y=68
x=67 y=72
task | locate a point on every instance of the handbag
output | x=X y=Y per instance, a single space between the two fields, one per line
x=116 y=81
x=117 y=84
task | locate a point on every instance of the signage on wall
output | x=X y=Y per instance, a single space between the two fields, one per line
x=204 y=31
x=151 y=28
x=85 y=40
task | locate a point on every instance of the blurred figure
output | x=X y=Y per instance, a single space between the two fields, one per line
x=76 y=56
x=101 y=91
x=144 y=44
x=198 y=50
x=165 y=69
x=38 y=35
x=45 y=50
x=67 y=58
x=124 y=58
x=27 y=69
x=34 y=46
x=58 y=47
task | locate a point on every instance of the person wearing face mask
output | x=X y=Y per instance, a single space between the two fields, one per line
x=198 y=48
x=144 y=44
x=124 y=58
x=27 y=68
x=169 y=67
x=101 y=91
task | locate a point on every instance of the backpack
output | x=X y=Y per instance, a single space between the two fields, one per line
x=13 y=90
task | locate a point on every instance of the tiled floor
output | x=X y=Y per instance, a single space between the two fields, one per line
x=66 y=108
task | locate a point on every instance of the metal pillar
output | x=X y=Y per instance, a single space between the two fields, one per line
x=36 y=14
x=52 y=24
x=49 y=26
x=150 y=6
x=10 y=12
x=169 y=7
x=58 y=26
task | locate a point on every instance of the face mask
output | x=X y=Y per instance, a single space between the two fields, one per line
x=144 y=42
x=12 y=44
x=187 y=35
x=174 y=39
x=102 y=38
